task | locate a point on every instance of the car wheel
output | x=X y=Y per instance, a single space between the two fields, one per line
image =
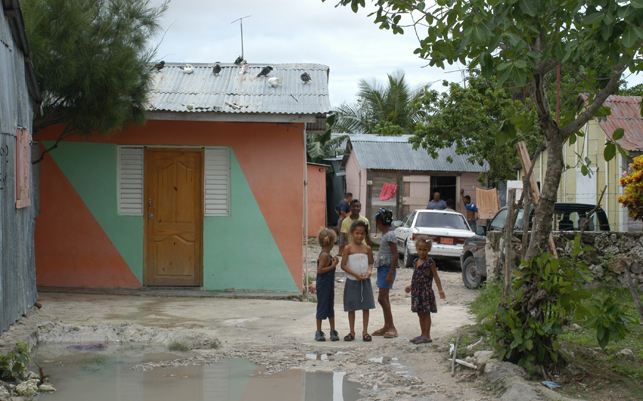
x=470 y=275
x=400 y=260
x=408 y=259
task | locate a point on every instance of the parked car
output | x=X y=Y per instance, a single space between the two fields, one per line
x=567 y=217
x=447 y=229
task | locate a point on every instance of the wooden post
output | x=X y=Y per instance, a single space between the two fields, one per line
x=455 y=351
x=534 y=191
x=509 y=230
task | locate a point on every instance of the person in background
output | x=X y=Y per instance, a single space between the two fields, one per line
x=356 y=207
x=450 y=204
x=342 y=209
x=472 y=210
x=436 y=203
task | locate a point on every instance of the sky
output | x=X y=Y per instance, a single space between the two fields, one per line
x=298 y=31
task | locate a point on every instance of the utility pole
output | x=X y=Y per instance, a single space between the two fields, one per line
x=241 y=24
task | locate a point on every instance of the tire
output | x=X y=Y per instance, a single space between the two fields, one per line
x=400 y=260
x=470 y=275
x=408 y=259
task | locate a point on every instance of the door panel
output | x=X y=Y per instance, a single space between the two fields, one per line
x=174 y=217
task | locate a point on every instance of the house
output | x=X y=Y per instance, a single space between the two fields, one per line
x=19 y=94
x=579 y=188
x=208 y=193
x=372 y=160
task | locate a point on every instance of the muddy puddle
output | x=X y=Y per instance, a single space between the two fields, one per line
x=107 y=375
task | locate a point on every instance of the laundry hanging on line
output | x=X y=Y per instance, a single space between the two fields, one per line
x=487 y=201
x=388 y=191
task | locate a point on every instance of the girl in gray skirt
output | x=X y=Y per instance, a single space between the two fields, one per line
x=357 y=262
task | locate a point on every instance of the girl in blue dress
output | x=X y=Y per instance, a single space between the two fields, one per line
x=326 y=265
x=422 y=296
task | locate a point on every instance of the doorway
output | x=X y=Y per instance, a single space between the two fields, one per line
x=173 y=217
x=446 y=186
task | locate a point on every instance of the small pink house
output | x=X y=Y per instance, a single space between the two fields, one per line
x=372 y=160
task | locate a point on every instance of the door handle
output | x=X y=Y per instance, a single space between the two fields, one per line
x=150 y=215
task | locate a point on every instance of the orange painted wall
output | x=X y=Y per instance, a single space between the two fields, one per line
x=316 y=199
x=97 y=263
x=270 y=155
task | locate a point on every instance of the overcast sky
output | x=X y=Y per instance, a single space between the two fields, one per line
x=297 y=31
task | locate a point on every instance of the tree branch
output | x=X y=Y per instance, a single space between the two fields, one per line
x=610 y=88
x=67 y=132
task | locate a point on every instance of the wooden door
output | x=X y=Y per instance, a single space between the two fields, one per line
x=174 y=217
x=417 y=192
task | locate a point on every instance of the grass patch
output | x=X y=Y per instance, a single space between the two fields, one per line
x=598 y=374
x=178 y=346
x=486 y=302
x=592 y=373
x=93 y=362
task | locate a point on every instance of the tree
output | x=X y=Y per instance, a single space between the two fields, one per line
x=525 y=41
x=469 y=117
x=384 y=110
x=324 y=146
x=636 y=90
x=92 y=59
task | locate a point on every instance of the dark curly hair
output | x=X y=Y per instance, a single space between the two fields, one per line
x=384 y=216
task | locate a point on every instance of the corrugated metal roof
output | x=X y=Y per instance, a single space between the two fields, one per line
x=232 y=92
x=626 y=114
x=396 y=153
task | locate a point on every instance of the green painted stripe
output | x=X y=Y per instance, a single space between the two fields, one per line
x=240 y=251
x=91 y=168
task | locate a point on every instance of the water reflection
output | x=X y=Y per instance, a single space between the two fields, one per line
x=85 y=376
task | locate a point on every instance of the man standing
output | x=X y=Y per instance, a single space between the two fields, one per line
x=356 y=207
x=436 y=203
x=343 y=210
x=472 y=210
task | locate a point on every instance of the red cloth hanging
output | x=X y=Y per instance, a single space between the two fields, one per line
x=388 y=191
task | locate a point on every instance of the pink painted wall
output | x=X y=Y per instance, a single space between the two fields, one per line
x=316 y=199
x=354 y=183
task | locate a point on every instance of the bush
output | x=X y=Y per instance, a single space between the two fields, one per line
x=547 y=294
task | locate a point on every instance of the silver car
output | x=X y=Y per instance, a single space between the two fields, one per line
x=447 y=229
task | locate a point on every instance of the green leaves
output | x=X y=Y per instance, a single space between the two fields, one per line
x=610 y=151
x=530 y=7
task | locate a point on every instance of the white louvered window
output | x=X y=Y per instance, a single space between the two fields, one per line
x=217 y=181
x=130 y=181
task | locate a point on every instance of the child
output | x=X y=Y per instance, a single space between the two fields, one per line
x=326 y=284
x=358 y=293
x=423 y=298
x=386 y=264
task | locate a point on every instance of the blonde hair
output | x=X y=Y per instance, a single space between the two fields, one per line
x=326 y=237
x=424 y=239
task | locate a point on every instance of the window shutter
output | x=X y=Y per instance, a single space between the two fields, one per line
x=23 y=168
x=130 y=181
x=217 y=182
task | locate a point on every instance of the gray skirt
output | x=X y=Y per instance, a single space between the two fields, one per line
x=358 y=295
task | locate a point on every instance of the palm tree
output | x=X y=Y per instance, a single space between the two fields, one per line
x=384 y=109
x=324 y=146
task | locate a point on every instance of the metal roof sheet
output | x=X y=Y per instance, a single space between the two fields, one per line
x=396 y=153
x=626 y=114
x=233 y=92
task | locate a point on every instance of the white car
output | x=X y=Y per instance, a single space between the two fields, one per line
x=447 y=229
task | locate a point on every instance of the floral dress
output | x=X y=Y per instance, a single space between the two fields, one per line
x=422 y=296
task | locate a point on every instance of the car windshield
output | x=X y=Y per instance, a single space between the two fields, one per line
x=441 y=220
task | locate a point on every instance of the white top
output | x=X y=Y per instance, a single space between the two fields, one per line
x=357 y=262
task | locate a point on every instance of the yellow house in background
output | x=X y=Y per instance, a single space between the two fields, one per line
x=577 y=188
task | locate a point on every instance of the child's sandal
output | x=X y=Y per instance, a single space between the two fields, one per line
x=349 y=337
x=367 y=337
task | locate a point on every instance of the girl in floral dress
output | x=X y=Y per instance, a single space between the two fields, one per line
x=422 y=296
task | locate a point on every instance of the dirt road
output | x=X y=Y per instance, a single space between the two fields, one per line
x=280 y=334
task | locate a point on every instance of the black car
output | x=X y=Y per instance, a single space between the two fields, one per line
x=567 y=217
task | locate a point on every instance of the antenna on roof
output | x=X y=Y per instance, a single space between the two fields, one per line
x=241 y=24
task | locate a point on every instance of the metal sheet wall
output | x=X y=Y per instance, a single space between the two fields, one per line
x=18 y=290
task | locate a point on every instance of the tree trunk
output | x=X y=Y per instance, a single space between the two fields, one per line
x=542 y=223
